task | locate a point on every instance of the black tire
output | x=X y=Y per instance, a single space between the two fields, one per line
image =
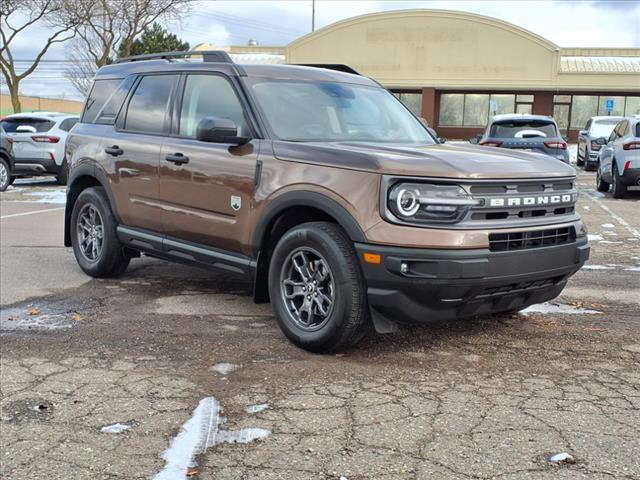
x=601 y=185
x=61 y=178
x=110 y=260
x=579 y=161
x=619 y=189
x=11 y=180
x=347 y=320
x=5 y=175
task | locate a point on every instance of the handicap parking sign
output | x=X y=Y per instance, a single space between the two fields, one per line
x=608 y=105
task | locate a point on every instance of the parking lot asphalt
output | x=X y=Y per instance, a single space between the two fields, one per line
x=169 y=366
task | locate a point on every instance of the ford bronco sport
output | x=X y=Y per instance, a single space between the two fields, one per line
x=318 y=186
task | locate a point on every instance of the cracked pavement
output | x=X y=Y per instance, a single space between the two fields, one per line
x=490 y=397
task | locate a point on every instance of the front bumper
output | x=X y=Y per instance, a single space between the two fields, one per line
x=441 y=285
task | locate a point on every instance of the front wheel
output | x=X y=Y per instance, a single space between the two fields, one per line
x=601 y=185
x=317 y=290
x=580 y=161
x=93 y=237
x=5 y=175
x=619 y=189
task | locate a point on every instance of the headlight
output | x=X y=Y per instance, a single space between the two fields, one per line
x=595 y=146
x=426 y=203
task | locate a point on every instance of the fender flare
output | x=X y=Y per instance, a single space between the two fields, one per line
x=85 y=170
x=305 y=198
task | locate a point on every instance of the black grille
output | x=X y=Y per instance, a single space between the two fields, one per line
x=501 y=242
x=518 y=287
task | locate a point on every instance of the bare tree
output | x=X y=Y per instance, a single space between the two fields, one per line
x=109 y=30
x=17 y=17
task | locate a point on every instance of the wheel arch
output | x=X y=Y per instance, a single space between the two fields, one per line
x=81 y=178
x=287 y=211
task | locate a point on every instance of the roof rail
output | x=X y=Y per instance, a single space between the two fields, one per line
x=219 y=56
x=331 y=66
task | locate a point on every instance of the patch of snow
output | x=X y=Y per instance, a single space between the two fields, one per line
x=586 y=207
x=557 y=308
x=563 y=457
x=223 y=368
x=257 y=408
x=115 y=428
x=597 y=267
x=608 y=225
x=34 y=322
x=609 y=242
x=632 y=269
x=198 y=434
x=595 y=238
x=57 y=195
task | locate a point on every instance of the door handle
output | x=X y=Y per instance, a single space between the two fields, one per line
x=114 y=150
x=177 y=158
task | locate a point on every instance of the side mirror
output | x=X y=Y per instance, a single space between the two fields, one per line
x=601 y=141
x=219 y=130
x=26 y=129
x=583 y=133
x=474 y=140
x=442 y=139
x=565 y=138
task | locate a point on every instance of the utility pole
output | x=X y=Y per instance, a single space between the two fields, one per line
x=313 y=15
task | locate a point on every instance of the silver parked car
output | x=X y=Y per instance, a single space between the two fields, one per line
x=533 y=133
x=619 y=165
x=592 y=138
x=38 y=142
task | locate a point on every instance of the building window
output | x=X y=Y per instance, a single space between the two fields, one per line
x=632 y=106
x=411 y=100
x=618 y=106
x=476 y=110
x=502 y=104
x=524 y=98
x=473 y=109
x=583 y=107
x=451 y=108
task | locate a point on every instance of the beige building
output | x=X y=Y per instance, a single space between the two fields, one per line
x=456 y=69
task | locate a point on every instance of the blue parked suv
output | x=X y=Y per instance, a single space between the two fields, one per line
x=532 y=133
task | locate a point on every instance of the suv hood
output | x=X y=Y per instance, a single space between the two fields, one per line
x=446 y=161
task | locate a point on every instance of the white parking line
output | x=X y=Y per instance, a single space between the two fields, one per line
x=30 y=213
x=621 y=221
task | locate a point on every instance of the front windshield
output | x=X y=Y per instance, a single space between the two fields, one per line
x=310 y=111
x=603 y=128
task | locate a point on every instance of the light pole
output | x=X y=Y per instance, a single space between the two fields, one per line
x=313 y=15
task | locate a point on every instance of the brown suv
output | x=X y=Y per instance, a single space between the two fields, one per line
x=320 y=187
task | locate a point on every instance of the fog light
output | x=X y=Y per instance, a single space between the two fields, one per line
x=404 y=268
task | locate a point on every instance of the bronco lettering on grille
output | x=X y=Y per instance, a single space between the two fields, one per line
x=531 y=201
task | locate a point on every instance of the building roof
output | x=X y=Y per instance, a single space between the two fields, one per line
x=601 y=64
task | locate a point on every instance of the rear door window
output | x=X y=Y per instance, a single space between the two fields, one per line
x=100 y=93
x=10 y=125
x=149 y=104
x=523 y=129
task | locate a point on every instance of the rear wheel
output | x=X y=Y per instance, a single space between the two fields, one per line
x=619 y=189
x=317 y=289
x=93 y=237
x=5 y=175
x=601 y=185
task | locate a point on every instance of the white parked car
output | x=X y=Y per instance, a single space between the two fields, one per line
x=38 y=142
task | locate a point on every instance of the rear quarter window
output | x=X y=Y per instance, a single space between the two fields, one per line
x=101 y=93
x=10 y=125
x=68 y=124
x=637 y=129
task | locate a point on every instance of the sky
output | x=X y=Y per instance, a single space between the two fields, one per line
x=568 y=23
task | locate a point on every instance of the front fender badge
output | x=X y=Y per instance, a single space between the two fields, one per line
x=236 y=203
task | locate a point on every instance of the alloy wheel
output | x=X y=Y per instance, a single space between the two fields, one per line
x=307 y=288
x=4 y=175
x=90 y=231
